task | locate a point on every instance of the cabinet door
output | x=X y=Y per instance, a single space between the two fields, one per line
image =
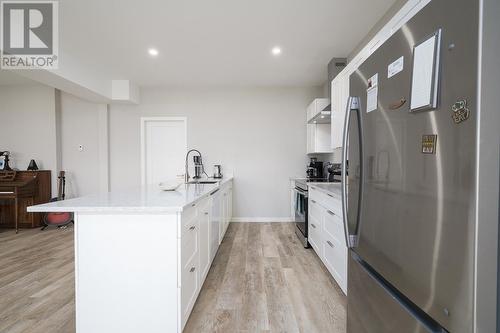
x=335 y=260
x=230 y=205
x=204 y=239
x=226 y=210
x=314 y=227
x=215 y=218
x=222 y=225
x=311 y=138
x=340 y=94
x=189 y=287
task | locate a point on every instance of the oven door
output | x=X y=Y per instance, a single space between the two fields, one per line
x=301 y=215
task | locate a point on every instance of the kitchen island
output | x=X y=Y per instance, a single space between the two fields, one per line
x=142 y=254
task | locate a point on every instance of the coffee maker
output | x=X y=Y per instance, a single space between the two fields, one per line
x=315 y=169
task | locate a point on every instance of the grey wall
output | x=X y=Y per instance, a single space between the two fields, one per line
x=259 y=134
x=28 y=126
x=80 y=124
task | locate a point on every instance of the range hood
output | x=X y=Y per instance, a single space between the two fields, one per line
x=335 y=66
x=323 y=117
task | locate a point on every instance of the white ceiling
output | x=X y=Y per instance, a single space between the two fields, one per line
x=218 y=42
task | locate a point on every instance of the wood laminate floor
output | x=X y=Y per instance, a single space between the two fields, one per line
x=262 y=280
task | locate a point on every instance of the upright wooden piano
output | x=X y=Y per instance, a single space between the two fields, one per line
x=18 y=190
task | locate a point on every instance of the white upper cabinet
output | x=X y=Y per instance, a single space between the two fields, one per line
x=318 y=131
x=340 y=94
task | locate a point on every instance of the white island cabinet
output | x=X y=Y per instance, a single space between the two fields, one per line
x=141 y=255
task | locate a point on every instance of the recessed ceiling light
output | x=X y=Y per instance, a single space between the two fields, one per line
x=276 y=51
x=153 y=52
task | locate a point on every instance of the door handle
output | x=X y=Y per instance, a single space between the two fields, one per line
x=353 y=104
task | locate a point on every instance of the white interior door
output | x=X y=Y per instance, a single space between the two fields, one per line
x=163 y=148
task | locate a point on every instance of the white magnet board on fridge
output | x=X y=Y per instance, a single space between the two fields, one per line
x=425 y=73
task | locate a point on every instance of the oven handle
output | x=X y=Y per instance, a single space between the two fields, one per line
x=300 y=191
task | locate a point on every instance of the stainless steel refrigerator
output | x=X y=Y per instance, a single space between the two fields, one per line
x=409 y=195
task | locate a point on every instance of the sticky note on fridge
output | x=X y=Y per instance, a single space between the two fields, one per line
x=425 y=73
x=372 y=93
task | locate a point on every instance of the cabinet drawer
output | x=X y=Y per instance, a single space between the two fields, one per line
x=315 y=210
x=314 y=235
x=328 y=201
x=335 y=255
x=203 y=207
x=335 y=259
x=189 y=288
x=189 y=245
x=189 y=220
x=334 y=226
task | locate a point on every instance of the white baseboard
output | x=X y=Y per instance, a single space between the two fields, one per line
x=262 y=219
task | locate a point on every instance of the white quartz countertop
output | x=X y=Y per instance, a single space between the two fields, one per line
x=334 y=189
x=145 y=199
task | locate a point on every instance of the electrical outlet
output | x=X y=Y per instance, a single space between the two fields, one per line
x=80 y=148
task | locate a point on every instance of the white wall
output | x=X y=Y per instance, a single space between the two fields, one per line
x=258 y=134
x=81 y=122
x=28 y=126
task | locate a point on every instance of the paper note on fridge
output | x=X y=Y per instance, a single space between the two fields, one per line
x=372 y=93
x=425 y=75
x=395 y=67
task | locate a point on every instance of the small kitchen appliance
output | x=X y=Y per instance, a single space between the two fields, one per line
x=217 y=171
x=334 y=172
x=315 y=169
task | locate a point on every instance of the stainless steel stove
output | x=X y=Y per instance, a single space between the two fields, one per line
x=301 y=211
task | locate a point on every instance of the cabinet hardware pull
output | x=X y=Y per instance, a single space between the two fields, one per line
x=330 y=243
x=192 y=228
x=214 y=192
x=331 y=213
x=193 y=205
x=206 y=213
x=313 y=201
x=329 y=195
x=313 y=187
x=192 y=269
x=312 y=225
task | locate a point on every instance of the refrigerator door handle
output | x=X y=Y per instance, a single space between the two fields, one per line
x=353 y=104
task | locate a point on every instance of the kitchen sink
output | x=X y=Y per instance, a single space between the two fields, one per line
x=203 y=182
